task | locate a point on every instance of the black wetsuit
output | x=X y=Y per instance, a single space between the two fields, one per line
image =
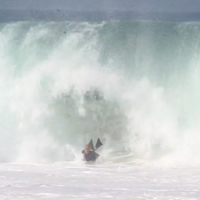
x=91 y=156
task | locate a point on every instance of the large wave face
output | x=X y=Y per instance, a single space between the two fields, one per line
x=133 y=84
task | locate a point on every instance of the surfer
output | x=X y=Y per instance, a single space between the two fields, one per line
x=89 y=151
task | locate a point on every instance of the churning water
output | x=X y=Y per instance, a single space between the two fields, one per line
x=134 y=84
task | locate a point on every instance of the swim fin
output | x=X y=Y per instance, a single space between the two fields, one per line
x=98 y=144
x=91 y=145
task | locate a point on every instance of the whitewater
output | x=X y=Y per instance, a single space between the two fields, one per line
x=132 y=83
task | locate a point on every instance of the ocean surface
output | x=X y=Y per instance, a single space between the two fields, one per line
x=131 y=80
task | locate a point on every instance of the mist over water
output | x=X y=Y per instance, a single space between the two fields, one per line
x=133 y=84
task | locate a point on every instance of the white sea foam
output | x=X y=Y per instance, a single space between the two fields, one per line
x=64 y=83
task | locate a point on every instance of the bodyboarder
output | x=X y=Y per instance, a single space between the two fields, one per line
x=89 y=152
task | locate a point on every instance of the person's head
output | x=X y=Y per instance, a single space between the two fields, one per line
x=87 y=149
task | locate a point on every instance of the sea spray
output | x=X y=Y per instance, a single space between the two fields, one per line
x=134 y=84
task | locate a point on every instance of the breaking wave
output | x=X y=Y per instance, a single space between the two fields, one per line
x=133 y=84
